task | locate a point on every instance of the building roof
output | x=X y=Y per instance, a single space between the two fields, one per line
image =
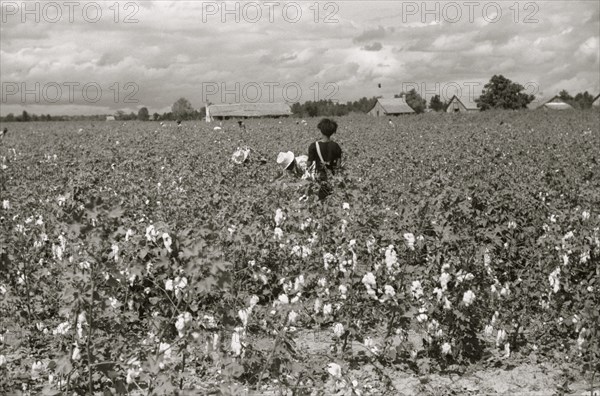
x=466 y=101
x=556 y=103
x=395 y=106
x=250 y=110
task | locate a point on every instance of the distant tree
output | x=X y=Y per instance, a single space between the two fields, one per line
x=182 y=109
x=436 y=104
x=414 y=100
x=25 y=116
x=311 y=109
x=143 y=114
x=502 y=93
x=166 y=117
x=565 y=97
x=10 y=117
x=584 y=100
x=155 y=116
x=120 y=115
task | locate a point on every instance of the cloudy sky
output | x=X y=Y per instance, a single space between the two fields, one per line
x=100 y=57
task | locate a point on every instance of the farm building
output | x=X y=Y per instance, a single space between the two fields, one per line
x=556 y=103
x=461 y=106
x=245 y=110
x=596 y=102
x=389 y=107
x=110 y=118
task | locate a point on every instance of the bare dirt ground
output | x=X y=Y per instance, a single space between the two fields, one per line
x=517 y=375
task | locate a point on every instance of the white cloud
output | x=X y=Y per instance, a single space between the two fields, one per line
x=175 y=47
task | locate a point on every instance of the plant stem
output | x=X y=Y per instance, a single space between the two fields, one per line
x=89 y=338
x=182 y=368
x=279 y=335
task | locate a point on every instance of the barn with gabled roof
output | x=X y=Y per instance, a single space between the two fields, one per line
x=390 y=107
x=456 y=105
x=556 y=103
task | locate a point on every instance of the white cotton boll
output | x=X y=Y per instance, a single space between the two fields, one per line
x=422 y=316
x=488 y=331
x=500 y=337
x=283 y=299
x=36 y=369
x=236 y=345
x=416 y=289
x=447 y=304
x=328 y=259
x=180 y=325
x=506 y=350
x=468 y=297
x=409 y=239
x=439 y=293
x=585 y=215
x=343 y=290
x=167 y=241
x=444 y=279
x=253 y=301
x=76 y=353
x=317 y=305
x=279 y=217
x=334 y=370
x=277 y=233
x=165 y=348
x=369 y=280
x=389 y=291
x=243 y=314
x=446 y=349
x=327 y=309
x=391 y=258
x=292 y=316
x=338 y=329
x=554 y=280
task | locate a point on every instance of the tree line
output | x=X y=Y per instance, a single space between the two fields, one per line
x=499 y=93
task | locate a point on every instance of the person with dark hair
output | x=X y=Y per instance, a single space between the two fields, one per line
x=325 y=155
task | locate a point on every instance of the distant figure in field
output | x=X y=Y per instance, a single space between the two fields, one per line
x=390 y=122
x=4 y=132
x=242 y=125
x=326 y=155
x=245 y=155
x=178 y=123
x=240 y=156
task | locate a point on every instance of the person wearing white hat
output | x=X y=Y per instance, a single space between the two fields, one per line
x=294 y=176
x=295 y=166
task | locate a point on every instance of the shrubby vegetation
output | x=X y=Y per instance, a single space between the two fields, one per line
x=141 y=260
